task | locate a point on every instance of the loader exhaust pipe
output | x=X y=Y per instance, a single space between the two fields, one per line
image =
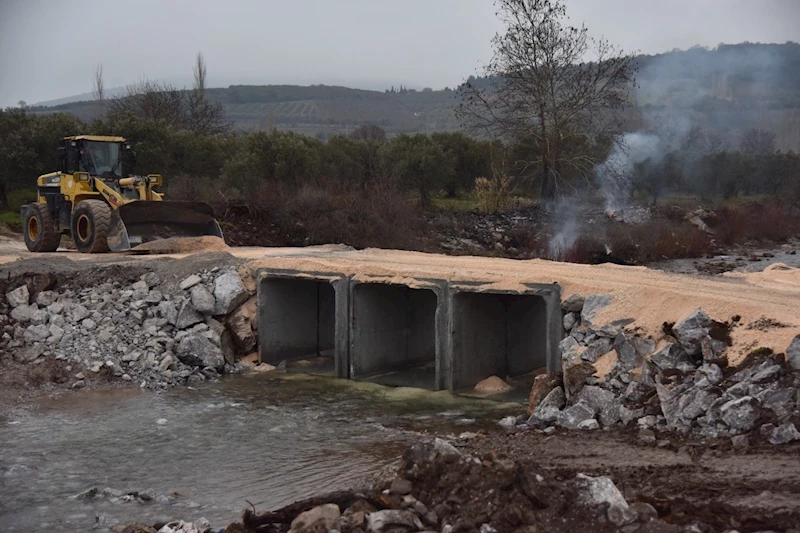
x=146 y=221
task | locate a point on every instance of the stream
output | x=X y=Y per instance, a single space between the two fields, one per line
x=209 y=450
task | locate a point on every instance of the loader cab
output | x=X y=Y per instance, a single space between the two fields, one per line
x=108 y=158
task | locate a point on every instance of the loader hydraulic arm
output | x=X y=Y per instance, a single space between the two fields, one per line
x=142 y=185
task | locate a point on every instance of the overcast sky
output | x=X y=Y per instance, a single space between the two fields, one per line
x=49 y=49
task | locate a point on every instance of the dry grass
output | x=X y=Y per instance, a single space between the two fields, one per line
x=626 y=244
x=754 y=221
x=380 y=215
x=377 y=214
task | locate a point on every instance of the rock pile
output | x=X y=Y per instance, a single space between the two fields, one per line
x=149 y=332
x=685 y=385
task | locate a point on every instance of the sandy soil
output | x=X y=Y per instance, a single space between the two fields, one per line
x=651 y=297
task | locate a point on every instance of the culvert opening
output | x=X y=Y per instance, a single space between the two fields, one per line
x=393 y=335
x=502 y=335
x=297 y=324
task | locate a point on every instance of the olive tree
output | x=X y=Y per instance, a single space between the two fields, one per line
x=550 y=86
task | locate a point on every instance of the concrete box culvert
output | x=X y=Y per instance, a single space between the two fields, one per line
x=303 y=315
x=502 y=333
x=396 y=333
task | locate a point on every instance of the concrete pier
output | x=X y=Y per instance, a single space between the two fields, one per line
x=447 y=335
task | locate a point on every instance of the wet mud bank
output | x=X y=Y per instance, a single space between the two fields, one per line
x=567 y=481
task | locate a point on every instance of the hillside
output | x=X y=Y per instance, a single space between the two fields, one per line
x=317 y=110
x=727 y=90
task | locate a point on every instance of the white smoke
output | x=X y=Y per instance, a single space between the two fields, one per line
x=565 y=217
x=615 y=178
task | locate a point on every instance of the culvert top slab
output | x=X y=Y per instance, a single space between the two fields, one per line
x=649 y=297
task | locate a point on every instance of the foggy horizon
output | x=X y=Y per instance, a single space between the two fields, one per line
x=355 y=43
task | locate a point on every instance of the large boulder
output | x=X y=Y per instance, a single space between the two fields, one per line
x=19 y=296
x=592 y=306
x=187 y=316
x=741 y=414
x=573 y=304
x=229 y=292
x=603 y=402
x=151 y=278
x=599 y=490
x=23 y=313
x=692 y=330
x=571 y=417
x=672 y=356
x=39 y=316
x=29 y=354
x=569 y=321
x=575 y=376
x=793 y=353
x=190 y=282
x=602 y=491
x=784 y=433
x=197 y=350
x=598 y=348
x=36 y=333
x=548 y=409
x=393 y=520
x=167 y=311
x=46 y=298
x=202 y=299
x=542 y=385
x=78 y=313
x=669 y=398
x=242 y=325
x=322 y=518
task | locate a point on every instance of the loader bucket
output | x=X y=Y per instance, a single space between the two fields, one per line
x=146 y=221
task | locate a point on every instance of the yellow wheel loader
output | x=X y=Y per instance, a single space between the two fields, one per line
x=92 y=198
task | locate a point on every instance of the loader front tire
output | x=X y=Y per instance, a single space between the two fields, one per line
x=40 y=232
x=90 y=222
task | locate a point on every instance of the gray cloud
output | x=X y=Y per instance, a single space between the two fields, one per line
x=49 y=50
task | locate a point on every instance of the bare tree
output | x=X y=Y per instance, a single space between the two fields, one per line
x=551 y=87
x=369 y=132
x=151 y=100
x=98 y=86
x=202 y=116
x=758 y=141
x=200 y=74
x=184 y=109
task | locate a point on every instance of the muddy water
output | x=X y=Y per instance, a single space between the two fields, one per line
x=743 y=260
x=269 y=440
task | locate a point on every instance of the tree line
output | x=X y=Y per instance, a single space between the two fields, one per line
x=544 y=119
x=425 y=165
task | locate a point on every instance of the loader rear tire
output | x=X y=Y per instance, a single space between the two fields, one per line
x=90 y=222
x=40 y=232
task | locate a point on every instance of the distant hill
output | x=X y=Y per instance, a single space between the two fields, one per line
x=319 y=110
x=726 y=89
